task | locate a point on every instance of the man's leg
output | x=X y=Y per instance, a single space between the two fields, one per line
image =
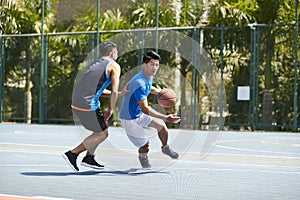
x=95 y=122
x=162 y=130
x=163 y=134
x=143 y=155
x=91 y=143
x=144 y=149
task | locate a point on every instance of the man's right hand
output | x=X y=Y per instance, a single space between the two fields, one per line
x=124 y=90
x=173 y=118
x=107 y=114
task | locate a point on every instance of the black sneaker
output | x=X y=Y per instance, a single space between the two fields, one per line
x=89 y=161
x=71 y=159
x=168 y=151
x=144 y=162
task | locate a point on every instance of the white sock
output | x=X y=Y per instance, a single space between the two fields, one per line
x=144 y=155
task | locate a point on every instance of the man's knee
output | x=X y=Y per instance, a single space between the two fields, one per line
x=102 y=134
x=163 y=129
x=106 y=132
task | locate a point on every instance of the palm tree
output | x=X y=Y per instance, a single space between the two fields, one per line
x=24 y=17
x=231 y=54
x=241 y=13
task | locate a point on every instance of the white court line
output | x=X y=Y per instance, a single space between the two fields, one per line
x=252 y=150
x=251 y=160
x=239 y=164
x=240 y=170
x=17 y=147
x=217 y=144
x=31 y=148
x=242 y=155
x=23 y=165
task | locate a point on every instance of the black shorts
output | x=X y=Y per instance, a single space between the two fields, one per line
x=92 y=120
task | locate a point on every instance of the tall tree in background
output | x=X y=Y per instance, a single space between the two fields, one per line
x=240 y=13
x=231 y=18
x=270 y=12
x=21 y=17
x=276 y=45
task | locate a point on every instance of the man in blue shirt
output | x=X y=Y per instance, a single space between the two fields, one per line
x=135 y=113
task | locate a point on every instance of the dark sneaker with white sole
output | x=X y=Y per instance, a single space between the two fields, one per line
x=144 y=162
x=168 y=151
x=71 y=159
x=89 y=161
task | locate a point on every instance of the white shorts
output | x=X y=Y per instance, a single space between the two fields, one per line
x=135 y=129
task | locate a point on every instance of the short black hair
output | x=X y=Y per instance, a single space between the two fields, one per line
x=150 y=55
x=106 y=47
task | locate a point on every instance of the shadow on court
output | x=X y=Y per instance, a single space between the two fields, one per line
x=130 y=172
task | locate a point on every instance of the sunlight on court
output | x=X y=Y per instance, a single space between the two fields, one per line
x=253 y=164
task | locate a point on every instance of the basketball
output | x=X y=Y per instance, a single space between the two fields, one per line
x=166 y=98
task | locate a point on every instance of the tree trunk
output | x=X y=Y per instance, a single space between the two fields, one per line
x=267 y=108
x=28 y=96
x=28 y=106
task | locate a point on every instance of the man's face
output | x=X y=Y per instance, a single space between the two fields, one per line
x=114 y=54
x=151 y=67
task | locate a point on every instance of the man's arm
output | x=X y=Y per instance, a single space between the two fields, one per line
x=150 y=111
x=114 y=72
x=155 y=90
x=107 y=93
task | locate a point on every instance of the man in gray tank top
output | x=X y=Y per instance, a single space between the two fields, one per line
x=86 y=104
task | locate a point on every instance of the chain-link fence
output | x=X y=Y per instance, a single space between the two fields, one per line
x=224 y=77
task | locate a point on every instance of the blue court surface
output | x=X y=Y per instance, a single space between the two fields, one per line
x=212 y=165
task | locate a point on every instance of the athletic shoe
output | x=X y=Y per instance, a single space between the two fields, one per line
x=168 y=151
x=71 y=159
x=144 y=162
x=89 y=161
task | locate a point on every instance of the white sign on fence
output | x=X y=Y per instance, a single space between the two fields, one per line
x=243 y=93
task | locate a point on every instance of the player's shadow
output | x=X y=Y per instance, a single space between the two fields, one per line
x=130 y=172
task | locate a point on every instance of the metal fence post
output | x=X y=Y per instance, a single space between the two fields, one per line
x=97 y=33
x=156 y=24
x=42 y=72
x=254 y=76
x=2 y=71
x=221 y=121
x=195 y=77
x=46 y=76
x=295 y=124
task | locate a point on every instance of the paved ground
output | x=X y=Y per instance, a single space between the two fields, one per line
x=213 y=165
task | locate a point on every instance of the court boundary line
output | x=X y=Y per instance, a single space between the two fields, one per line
x=135 y=152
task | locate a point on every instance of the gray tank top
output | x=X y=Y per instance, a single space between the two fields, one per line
x=90 y=87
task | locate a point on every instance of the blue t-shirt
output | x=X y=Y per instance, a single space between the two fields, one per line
x=140 y=87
